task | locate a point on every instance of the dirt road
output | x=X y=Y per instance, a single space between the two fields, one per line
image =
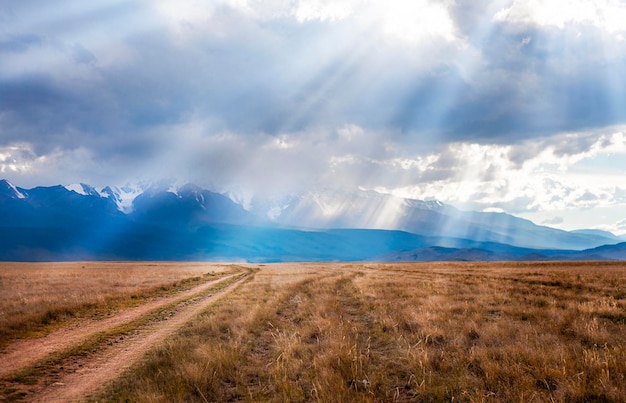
x=74 y=377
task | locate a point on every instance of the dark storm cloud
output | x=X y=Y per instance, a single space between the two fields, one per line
x=553 y=221
x=18 y=43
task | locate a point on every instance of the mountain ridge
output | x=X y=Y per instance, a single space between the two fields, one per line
x=187 y=222
x=357 y=209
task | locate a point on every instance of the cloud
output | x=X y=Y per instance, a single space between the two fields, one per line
x=18 y=43
x=324 y=10
x=605 y=14
x=553 y=221
x=620 y=227
x=241 y=72
x=16 y=158
x=537 y=174
x=485 y=104
x=615 y=227
x=277 y=68
x=21 y=164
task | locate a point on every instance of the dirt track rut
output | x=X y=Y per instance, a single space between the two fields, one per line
x=78 y=377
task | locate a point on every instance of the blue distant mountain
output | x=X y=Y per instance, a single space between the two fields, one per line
x=154 y=222
x=368 y=209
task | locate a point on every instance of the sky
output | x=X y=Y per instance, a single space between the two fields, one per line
x=505 y=105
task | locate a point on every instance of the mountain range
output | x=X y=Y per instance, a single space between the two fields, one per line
x=165 y=222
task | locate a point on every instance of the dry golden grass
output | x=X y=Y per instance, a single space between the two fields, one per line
x=511 y=332
x=36 y=297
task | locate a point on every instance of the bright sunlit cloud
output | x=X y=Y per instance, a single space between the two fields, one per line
x=325 y=10
x=605 y=14
x=409 y=21
x=537 y=178
x=415 y=21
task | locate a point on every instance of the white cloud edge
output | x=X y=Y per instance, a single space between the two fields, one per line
x=608 y=15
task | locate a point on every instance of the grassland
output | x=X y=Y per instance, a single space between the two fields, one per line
x=36 y=298
x=405 y=332
x=511 y=332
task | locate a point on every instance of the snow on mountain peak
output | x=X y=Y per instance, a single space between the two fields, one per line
x=123 y=196
x=14 y=190
x=424 y=204
x=82 y=189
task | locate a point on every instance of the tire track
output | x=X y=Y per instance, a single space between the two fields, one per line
x=24 y=353
x=81 y=377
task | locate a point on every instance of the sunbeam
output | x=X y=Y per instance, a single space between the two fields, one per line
x=512 y=106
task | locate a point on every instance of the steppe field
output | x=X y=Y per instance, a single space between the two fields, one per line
x=330 y=332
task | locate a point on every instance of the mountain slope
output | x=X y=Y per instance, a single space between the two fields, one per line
x=368 y=209
x=495 y=252
x=189 y=205
x=54 y=206
x=79 y=222
x=605 y=252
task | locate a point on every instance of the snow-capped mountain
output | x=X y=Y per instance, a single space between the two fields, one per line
x=188 y=204
x=138 y=202
x=372 y=210
x=187 y=222
x=82 y=189
x=10 y=191
x=123 y=196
